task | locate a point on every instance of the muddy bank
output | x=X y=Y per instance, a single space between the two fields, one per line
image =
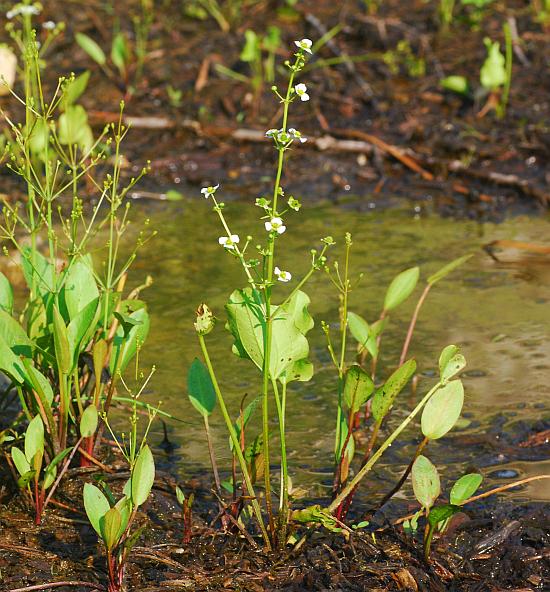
x=379 y=124
x=496 y=547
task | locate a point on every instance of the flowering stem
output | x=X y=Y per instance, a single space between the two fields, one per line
x=235 y=441
x=268 y=328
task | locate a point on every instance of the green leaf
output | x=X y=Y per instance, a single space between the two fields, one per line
x=88 y=421
x=247 y=413
x=127 y=347
x=73 y=128
x=34 y=438
x=447 y=269
x=14 y=335
x=75 y=88
x=180 y=496
x=401 y=288
x=20 y=461
x=200 y=388
x=96 y=506
x=443 y=409
x=384 y=397
x=362 y=333
x=119 y=52
x=451 y=362
x=39 y=137
x=143 y=476
x=465 y=487
x=80 y=287
x=6 y=294
x=82 y=328
x=493 y=72
x=442 y=513
x=457 y=84
x=51 y=470
x=10 y=363
x=110 y=527
x=38 y=382
x=25 y=479
x=91 y=48
x=358 y=388
x=124 y=506
x=426 y=484
x=251 y=50
x=61 y=343
x=36 y=266
x=289 y=349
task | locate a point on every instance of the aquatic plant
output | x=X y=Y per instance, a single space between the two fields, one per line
x=274 y=338
x=78 y=330
x=113 y=519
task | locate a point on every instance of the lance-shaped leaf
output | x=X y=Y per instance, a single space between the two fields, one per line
x=6 y=294
x=20 y=461
x=91 y=48
x=384 y=397
x=358 y=388
x=110 y=527
x=127 y=344
x=81 y=329
x=289 y=346
x=143 y=476
x=362 y=333
x=425 y=480
x=96 y=506
x=465 y=487
x=447 y=269
x=401 y=287
x=34 y=438
x=79 y=287
x=61 y=343
x=36 y=267
x=442 y=410
x=74 y=88
x=88 y=421
x=10 y=363
x=451 y=362
x=200 y=388
x=14 y=335
x=50 y=472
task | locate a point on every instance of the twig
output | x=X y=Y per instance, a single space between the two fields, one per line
x=59 y=585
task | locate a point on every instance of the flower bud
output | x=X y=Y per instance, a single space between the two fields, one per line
x=205 y=320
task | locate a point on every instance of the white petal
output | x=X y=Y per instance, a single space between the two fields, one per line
x=281 y=229
x=277 y=271
x=304 y=97
x=267 y=226
x=235 y=238
x=222 y=240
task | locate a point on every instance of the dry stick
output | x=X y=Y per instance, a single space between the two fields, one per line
x=480 y=496
x=59 y=585
x=62 y=472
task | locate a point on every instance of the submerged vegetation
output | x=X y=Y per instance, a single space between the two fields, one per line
x=71 y=341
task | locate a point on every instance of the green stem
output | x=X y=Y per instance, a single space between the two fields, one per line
x=236 y=444
x=374 y=459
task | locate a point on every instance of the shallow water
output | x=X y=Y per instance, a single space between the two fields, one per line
x=499 y=313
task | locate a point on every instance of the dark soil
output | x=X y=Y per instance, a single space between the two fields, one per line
x=470 y=165
x=503 y=548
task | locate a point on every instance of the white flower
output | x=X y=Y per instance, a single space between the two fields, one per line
x=23 y=9
x=301 y=91
x=304 y=44
x=229 y=242
x=275 y=225
x=209 y=191
x=296 y=135
x=282 y=276
x=49 y=25
x=271 y=132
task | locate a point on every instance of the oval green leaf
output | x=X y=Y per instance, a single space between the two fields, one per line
x=143 y=476
x=88 y=421
x=425 y=480
x=362 y=333
x=465 y=487
x=451 y=362
x=110 y=527
x=34 y=438
x=96 y=506
x=401 y=288
x=6 y=294
x=442 y=410
x=91 y=48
